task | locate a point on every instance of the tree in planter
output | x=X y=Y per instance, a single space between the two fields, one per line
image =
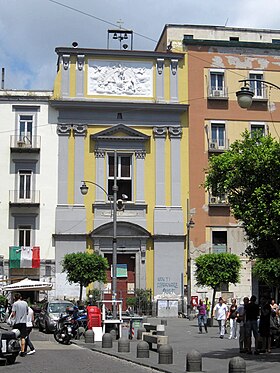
x=248 y=173
x=84 y=268
x=212 y=270
x=268 y=272
x=141 y=302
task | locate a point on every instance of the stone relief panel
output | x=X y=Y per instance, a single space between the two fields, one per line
x=120 y=78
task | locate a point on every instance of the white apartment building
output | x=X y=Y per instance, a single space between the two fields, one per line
x=28 y=191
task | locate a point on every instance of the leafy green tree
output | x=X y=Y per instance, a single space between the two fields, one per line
x=84 y=268
x=249 y=174
x=212 y=270
x=268 y=272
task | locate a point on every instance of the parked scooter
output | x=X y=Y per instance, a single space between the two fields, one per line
x=9 y=345
x=69 y=326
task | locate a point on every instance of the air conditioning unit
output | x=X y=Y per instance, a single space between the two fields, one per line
x=213 y=145
x=213 y=199
x=20 y=144
x=217 y=93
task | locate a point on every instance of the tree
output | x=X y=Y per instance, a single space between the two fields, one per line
x=84 y=268
x=268 y=272
x=248 y=173
x=212 y=270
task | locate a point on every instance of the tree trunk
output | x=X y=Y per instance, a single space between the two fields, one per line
x=213 y=305
x=276 y=294
x=81 y=292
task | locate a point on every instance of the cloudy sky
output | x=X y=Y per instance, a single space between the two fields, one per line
x=30 y=30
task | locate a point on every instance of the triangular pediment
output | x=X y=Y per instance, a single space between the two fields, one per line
x=120 y=132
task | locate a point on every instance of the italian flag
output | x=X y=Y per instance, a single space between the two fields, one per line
x=24 y=257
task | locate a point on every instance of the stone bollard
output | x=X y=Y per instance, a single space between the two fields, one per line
x=165 y=354
x=107 y=340
x=123 y=345
x=140 y=331
x=237 y=365
x=194 y=361
x=113 y=334
x=89 y=336
x=143 y=349
x=163 y=322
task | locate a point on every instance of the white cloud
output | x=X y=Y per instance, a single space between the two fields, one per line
x=31 y=29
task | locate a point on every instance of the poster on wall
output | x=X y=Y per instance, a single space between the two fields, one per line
x=121 y=270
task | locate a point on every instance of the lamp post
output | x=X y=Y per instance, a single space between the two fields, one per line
x=245 y=95
x=190 y=224
x=84 y=190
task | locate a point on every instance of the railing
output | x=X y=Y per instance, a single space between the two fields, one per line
x=221 y=93
x=260 y=93
x=31 y=197
x=215 y=146
x=25 y=142
x=218 y=200
x=219 y=248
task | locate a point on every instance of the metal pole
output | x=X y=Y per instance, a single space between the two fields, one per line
x=188 y=273
x=114 y=277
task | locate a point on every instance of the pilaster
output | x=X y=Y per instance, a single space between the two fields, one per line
x=174 y=80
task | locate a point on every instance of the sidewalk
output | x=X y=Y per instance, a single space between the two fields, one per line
x=183 y=337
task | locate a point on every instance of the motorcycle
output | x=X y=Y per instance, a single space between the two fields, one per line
x=71 y=325
x=9 y=345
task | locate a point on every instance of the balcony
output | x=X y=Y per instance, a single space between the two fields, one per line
x=261 y=94
x=31 y=144
x=217 y=94
x=29 y=198
x=214 y=146
x=219 y=248
x=220 y=200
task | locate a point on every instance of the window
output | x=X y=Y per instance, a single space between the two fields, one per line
x=219 y=242
x=234 y=38
x=217 y=83
x=217 y=135
x=124 y=179
x=24 y=238
x=257 y=127
x=25 y=129
x=48 y=270
x=257 y=86
x=25 y=184
x=1 y=265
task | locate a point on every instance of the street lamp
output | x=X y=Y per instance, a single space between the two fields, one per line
x=84 y=190
x=245 y=95
x=190 y=224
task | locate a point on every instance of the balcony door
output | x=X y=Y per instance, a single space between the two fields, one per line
x=218 y=135
x=25 y=129
x=25 y=185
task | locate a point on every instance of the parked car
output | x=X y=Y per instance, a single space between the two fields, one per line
x=50 y=314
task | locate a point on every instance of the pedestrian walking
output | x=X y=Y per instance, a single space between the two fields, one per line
x=251 y=325
x=232 y=317
x=220 y=313
x=264 y=326
x=202 y=316
x=29 y=326
x=241 y=319
x=19 y=313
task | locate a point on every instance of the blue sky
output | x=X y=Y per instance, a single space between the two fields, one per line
x=30 y=30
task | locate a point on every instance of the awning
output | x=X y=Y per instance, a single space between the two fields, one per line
x=27 y=284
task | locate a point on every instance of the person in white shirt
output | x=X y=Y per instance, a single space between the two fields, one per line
x=29 y=326
x=220 y=314
x=19 y=314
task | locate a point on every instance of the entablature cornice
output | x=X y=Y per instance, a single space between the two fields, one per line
x=117 y=53
x=117 y=104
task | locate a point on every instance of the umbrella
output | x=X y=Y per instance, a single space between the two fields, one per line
x=27 y=284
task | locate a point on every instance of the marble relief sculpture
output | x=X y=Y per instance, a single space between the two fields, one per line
x=120 y=78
